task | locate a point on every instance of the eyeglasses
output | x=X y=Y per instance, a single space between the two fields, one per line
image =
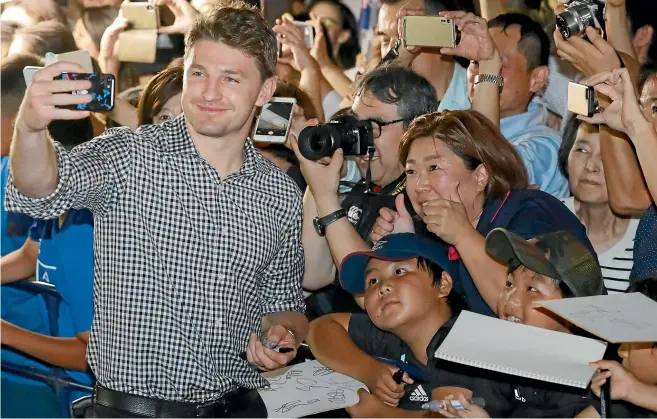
x=377 y=126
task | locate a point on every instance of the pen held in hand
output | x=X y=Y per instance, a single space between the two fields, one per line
x=279 y=350
x=437 y=405
x=398 y=376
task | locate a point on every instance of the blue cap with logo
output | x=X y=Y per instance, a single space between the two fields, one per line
x=394 y=247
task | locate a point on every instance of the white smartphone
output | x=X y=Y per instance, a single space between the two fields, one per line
x=273 y=123
x=28 y=73
x=308 y=32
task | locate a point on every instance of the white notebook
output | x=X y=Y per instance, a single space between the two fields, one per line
x=616 y=318
x=512 y=348
x=307 y=389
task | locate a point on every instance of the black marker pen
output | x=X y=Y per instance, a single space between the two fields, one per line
x=279 y=350
x=398 y=376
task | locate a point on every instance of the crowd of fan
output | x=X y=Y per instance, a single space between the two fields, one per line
x=454 y=162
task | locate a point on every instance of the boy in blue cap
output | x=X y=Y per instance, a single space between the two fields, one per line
x=407 y=289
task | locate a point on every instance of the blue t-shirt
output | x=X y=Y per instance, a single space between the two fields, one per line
x=527 y=213
x=645 y=246
x=20 y=308
x=66 y=260
x=538 y=147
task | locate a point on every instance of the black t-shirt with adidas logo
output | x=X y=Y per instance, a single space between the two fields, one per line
x=437 y=372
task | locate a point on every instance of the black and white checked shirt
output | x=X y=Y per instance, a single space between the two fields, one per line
x=186 y=263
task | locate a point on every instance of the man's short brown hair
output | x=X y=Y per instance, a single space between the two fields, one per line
x=239 y=26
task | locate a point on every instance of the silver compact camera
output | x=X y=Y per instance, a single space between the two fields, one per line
x=580 y=14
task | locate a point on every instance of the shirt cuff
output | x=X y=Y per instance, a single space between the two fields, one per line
x=41 y=208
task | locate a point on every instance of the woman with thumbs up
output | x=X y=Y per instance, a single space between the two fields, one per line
x=465 y=179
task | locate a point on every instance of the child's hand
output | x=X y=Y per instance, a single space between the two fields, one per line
x=383 y=386
x=622 y=381
x=469 y=410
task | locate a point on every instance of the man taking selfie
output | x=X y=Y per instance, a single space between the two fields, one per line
x=197 y=236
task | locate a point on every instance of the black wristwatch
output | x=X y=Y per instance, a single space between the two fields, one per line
x=321 y=223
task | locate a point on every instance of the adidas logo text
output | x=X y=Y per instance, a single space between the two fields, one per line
x=419 y=395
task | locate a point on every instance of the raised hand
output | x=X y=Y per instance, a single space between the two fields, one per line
x=184 y=16
x=393 y=222
x=44 y=95
x=447 y=218
x=476 y=44
x=591 y=57
x=108 y=56
x=623 y=114
x=319 y=51
x=291 y=36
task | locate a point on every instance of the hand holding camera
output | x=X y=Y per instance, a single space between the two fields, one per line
x=475 y=42
x=292 y=36
x=590 y=57
x=579 y=15
x=319 y=50
x=623 y=114
x=185 y=15
x=46 y=96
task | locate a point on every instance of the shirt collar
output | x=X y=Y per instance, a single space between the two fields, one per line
x=515 y=125
x=179 y=141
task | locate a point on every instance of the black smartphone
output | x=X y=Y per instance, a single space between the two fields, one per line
x=102 y=91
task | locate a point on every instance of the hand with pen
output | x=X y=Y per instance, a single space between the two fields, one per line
x=274 y=349
x=387 y=383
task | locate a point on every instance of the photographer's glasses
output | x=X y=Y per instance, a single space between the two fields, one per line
x=377 y=126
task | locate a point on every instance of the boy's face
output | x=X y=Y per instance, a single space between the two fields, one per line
x=399 y=292
x=641 y=360
x=516 y=302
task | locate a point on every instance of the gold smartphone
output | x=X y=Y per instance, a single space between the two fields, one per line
x=581 y=99
x=429 y=31
x=141 y=15
x=138 y=46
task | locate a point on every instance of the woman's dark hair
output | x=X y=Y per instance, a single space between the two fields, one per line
x=411 y=93
x=456 y=302
x=472 y=137
x=49 y=36
x=162 y=87
x=567 y=141
x=347 y=53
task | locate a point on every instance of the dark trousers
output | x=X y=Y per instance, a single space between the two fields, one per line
x=106 y=403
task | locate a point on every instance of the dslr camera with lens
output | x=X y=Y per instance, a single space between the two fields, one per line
x=347 y=132
x=580 y=14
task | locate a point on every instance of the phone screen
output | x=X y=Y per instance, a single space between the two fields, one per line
x=274 y=119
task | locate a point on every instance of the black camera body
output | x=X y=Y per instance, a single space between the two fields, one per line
x=347 y=132
x=580 y=14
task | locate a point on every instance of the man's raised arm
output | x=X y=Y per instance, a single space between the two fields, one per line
x=46 y=180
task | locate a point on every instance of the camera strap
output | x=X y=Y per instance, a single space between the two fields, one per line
x=392 y=54
x=368 y=175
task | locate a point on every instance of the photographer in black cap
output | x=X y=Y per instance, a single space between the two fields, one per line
x=386 y=101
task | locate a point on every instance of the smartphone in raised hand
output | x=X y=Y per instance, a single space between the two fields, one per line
x=429 y=31
x=102 y=91
x=581 y=99
x=273 y=123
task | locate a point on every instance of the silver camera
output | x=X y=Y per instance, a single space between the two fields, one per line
x=580 y=14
